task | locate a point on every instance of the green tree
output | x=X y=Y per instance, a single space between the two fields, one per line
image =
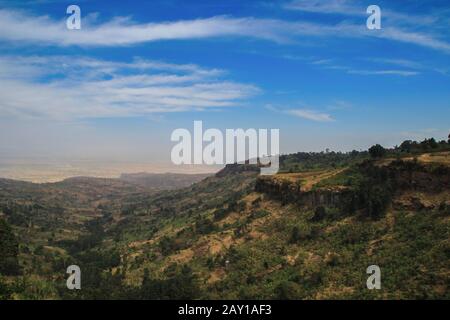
x=9 y=250
x=183 y=284
x=377 y=151
x=5 y=290
x=289 y=290
x=406 y=146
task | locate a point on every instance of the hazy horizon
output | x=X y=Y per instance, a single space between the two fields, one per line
x=42 y=169
x=309 y=68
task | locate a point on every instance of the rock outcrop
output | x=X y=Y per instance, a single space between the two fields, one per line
x=400 y=175
x=290 y=192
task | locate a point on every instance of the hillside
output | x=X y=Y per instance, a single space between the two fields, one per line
x=163 y=181
x=309 y=232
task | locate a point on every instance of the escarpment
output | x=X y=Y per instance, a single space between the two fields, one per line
x=413 y=175
x=291 y=192
x=392 y=179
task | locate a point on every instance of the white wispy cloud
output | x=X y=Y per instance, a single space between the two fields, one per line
x=402 y=73
x=340 y=105
x=358 y=9
x=333 y=65
x=20 y=27
x=64 y=87
x=397 y=62
x=409 y=65
x=418 y=38
x=422 y=30
x=322 y=6
x=303 y=112
x=310 y=115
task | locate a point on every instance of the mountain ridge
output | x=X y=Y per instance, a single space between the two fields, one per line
x=226 y=237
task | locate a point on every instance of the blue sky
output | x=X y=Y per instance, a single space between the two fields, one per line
x=137 y=70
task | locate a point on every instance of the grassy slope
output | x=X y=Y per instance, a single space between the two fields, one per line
x=250 y=253
x=238 y=243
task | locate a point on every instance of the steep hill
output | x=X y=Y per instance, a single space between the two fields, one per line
x=309 y=232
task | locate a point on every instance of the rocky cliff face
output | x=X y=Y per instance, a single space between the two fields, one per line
x=290 y=192
x=236 y=168
x=410 y=175
x=401 y=175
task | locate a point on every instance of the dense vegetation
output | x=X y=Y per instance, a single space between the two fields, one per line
x=219 y=238
x=9 y=250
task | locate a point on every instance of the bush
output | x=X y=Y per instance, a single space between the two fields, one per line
x=182 y=285
x=204 y=226
x=258 y=214
x=9 y=249
x=377 y=151
x=302 y=232
x=373 y=198
x=319 y=213
x=332 y=259
x=220 y=214
x=5 y=290
x=352 y=234
x=289 y=290
x=167 y=245
x=371 y=194
x=444 y=208
x=256 y=203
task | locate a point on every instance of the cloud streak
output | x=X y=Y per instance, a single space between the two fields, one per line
x=120 y=31
x=410 y=67
x=19 y=27
x=393 y=22
x=358 y=9
x=402 y=73
x=310 y=115
x=76 y=87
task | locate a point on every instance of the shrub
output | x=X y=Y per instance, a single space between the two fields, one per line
x=332 y=259
x=258 y=214
x=302 y=232
x=9 y=249
x=220 y=214
x=256 y=203
x=180 y=285
x=377 y=151
x=289 y=290
x=204 y=226
x=5 y=290
x=444 y=208
x=319 y=213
